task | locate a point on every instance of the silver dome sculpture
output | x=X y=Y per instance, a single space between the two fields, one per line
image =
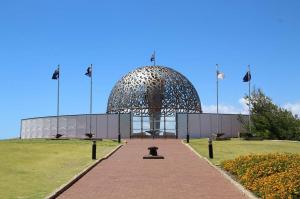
x=154 y=91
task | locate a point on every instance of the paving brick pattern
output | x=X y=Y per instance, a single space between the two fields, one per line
x=182 y=174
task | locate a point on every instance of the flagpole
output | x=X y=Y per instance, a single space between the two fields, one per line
x=91 y=99
x=249 y=98
x=57 y=114
x=217 y=67
x=154 y=58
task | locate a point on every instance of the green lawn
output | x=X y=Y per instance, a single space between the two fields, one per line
x=226 y=150
x=35 y=168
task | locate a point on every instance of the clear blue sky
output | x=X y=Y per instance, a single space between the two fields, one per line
x=117 y=36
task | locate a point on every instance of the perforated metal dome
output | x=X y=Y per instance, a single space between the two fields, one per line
x=154 y=89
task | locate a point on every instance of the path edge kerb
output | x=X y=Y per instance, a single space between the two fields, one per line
x=227 y=177
x=77 y=177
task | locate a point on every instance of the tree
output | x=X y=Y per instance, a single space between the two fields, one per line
x=270 y=121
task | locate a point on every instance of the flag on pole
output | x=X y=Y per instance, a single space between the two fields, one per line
x=89 y=71
x=247 y=77
x=152 y=59
x=56 y=74
x=220 y=75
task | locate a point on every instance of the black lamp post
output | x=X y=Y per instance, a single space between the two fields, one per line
x=187 y=128
x=119 y=129
x=94 y=147
x=210 y=149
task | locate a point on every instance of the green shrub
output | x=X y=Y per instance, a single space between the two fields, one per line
x=270 y=121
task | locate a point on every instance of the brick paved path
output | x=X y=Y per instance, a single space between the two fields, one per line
x=181 y=174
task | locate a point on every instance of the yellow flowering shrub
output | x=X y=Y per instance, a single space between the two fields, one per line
x=269 y=176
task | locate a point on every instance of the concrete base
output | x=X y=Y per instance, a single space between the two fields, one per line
x=58 y=139
x=153 y=157
x=97 y=139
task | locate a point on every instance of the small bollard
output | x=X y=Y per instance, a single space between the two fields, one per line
x=188 y=138
x=210 y=149
x=94 y=146
x=119 y=138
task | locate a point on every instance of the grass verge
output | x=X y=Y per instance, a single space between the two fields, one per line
x=35 y=168
x=231 y=149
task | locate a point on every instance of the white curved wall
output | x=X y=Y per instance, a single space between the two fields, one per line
x=76 y=126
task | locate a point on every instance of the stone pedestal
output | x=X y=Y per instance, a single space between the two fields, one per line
x=153 y=153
